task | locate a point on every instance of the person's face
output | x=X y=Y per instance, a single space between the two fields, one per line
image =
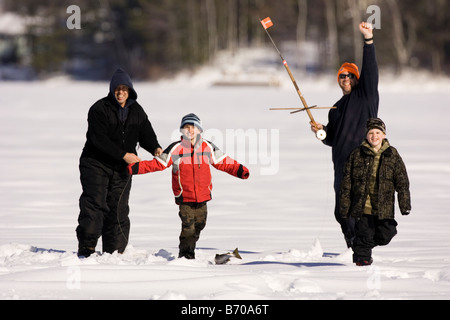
x=347 y=81
x=121 y=93
x=190 y=131
x=375 y=138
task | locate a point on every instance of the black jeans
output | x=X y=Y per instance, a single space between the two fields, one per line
x=103 y=207
x=372 y=232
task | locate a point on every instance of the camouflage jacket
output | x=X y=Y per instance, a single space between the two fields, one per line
x=392 y=177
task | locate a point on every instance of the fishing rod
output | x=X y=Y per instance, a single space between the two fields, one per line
x=301 y=109
x=320 y=134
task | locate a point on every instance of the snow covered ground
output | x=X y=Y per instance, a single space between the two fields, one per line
x=281 y=219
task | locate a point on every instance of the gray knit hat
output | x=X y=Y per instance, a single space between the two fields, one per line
x=193 y=120
x=375 y=123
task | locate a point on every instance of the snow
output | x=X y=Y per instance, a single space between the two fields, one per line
x=281 y=219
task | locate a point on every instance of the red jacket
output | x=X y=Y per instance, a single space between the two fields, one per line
x=191 y=175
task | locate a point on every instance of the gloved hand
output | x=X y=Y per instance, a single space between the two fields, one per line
x=133 y=168
x=243 y=172
x=405 y=213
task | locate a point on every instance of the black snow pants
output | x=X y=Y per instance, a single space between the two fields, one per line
x=348 y=224
x=103 y=208
x=372 y=232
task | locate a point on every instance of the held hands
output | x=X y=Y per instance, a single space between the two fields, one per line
x=133 y=161
x=158 y=152
x=131 y=158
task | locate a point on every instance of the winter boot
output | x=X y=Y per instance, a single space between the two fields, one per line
x=363 y=262
x=85 y=252
x=188 y=254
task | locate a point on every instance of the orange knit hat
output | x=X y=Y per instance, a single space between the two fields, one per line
x=350 y=68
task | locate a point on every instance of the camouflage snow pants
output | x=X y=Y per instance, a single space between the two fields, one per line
x=193 y=221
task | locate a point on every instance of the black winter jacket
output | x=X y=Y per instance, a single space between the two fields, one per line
x=346 y=126
x=392 y=177
x=113 y=131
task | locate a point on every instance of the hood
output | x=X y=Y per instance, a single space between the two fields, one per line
x=369 y=150
x=120 y=77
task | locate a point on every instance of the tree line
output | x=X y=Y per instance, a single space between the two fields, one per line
x=155 y=38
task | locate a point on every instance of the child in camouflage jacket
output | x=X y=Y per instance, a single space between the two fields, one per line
x=372 y=175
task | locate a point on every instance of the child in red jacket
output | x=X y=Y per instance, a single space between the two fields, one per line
x=191 y=177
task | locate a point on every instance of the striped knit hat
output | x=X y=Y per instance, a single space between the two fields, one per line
x=193 y=120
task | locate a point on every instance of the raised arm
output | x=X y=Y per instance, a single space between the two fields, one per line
x=368 y=81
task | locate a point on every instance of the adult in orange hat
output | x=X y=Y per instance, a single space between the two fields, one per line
x=346 y=126
x=348 y=77
x=349 y=68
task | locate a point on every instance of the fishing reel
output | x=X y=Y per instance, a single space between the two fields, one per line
x=321 y=135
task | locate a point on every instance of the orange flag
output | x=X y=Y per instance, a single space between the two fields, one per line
x=267 y=23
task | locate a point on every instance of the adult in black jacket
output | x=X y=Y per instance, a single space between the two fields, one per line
x=347 y=123
x=116 y=124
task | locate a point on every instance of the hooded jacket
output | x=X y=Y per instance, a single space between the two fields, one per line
x=392 y=177
x=191 y=174
x=114 y=131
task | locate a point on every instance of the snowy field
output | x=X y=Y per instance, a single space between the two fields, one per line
x=281 y=219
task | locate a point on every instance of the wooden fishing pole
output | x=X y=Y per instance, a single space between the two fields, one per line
x=296 y=110
x=320 y=134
